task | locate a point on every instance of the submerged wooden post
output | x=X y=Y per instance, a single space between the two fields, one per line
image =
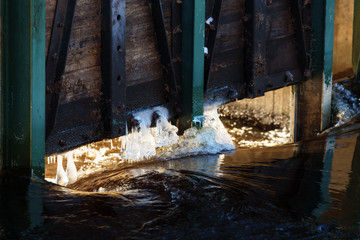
x=356 y=40
x=315 y=93
x=193 y=39
x=23 y=85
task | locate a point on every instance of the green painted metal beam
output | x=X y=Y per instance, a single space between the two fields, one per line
x=356 y=40
x=23 y=85
x=193 y=40
x=323 y=13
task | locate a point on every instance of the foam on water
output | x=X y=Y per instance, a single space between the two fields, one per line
x=345 y=105
x=163 y=141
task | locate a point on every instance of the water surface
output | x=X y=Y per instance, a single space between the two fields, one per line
x=308 y=190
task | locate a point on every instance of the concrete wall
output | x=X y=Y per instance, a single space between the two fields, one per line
x=343 y=32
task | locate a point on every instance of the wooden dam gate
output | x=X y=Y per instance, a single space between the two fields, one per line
x=106 y=59
x=123 y=56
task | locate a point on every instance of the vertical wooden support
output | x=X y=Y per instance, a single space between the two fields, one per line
x=356 y=40
x=210 y=44
x=299 y=31
x=315 y=93
x=171 y=91
x=113 y=66
x=1 y=60
x=294 y=101
x=193 y=40
x=23 y=85
x=176 y=39
x=255 y=59
x=56 y=58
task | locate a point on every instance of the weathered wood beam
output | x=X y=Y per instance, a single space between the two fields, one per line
x=315 y=93
x=193 y=32
x=176 y=37
x=356 y=40
x=56 y=58
x=113 y=51
x=299 y=31
x=211 y=40
x=163 y=45
x=23 y=85
x=255 y=47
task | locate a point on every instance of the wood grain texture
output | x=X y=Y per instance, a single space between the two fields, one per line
x=281 y=50
x=228 y=61
x=142 y=58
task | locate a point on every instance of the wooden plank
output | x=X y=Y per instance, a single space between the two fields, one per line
x=137 y=98
x=299 y=30
x=356 y=41
x=176 y=39
x=169 y=77
x=143 y=62
x=56 y=58
x=343 y=40
x=84 y=46
x=255 y=59
x=227 y=65
x=210 y=40
x=78 y=123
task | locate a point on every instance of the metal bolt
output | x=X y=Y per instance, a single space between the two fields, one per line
x=54 y=57
x=62 y=143
x=289 y=76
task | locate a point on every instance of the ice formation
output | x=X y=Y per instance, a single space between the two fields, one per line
x=146 y=142
x=71 y=171
x=61 y=176
x=164 y=142
x=344 y=105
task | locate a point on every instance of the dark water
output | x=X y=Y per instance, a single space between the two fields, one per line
x=309 y=190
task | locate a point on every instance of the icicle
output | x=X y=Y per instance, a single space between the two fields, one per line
x=147 y=142
x=164 y=134
x=61 y=177
x=71 y=171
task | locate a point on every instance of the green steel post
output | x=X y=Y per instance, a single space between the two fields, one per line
x=323 y=14
x=356 y=40
x=193 y=40
x=23 y=85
